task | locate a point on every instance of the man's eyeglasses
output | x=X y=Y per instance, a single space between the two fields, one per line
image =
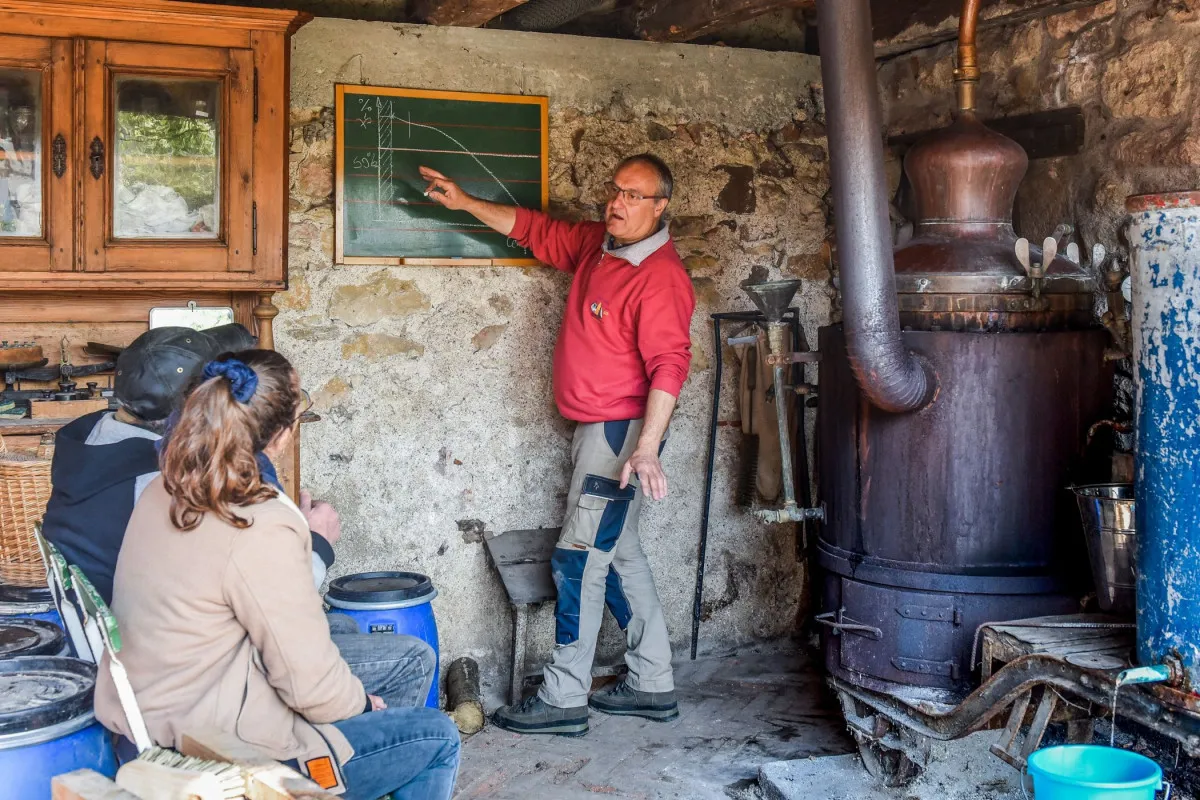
x=306 y=403
x=611 y=190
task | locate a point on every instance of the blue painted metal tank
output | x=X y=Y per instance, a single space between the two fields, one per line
x=1165 y=239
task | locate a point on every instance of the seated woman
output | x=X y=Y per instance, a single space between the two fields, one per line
x=222 y=626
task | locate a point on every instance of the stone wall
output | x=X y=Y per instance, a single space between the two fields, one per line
x=434 y=383
x=1130 y=64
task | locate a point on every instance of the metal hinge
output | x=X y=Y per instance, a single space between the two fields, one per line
x=921 y=666
x=256 y=94
x=930 y=613
x=254 y=229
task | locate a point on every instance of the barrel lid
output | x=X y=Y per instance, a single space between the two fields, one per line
x=25 y=594
x=43 y=691
x=380 y=587
x=29 y=637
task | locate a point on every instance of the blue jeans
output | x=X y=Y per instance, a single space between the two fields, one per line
x=411 y=753
x=399 y=668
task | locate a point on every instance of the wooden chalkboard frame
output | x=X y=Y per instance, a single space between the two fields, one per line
x=344 y=90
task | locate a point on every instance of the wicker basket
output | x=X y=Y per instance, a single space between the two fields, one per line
x=24 y=490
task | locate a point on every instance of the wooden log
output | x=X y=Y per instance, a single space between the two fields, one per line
x=266 y=779
x=84 y=784
x=461 y=13
x=685 y=20
x=161 y=782
x=462 y=696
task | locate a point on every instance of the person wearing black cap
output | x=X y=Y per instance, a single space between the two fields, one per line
x=103 y=460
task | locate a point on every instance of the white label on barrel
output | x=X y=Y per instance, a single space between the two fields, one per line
x=381 y=627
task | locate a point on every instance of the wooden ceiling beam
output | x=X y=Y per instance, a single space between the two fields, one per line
x=461 y=13
x=685 y=20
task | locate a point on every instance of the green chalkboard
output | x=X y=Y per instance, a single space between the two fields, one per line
x=494 y=145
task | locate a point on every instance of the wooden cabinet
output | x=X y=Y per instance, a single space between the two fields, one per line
x=143 y=144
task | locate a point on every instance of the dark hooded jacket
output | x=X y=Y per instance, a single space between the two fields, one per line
x=93 y=497
x=95 y=489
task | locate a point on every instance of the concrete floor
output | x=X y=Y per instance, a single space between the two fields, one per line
x=736 y=714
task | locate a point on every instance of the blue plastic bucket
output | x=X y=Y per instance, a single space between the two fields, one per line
x=30 y=637
x=390 y=603
x=1093 y=772
x=46 y=725
x=28 y=603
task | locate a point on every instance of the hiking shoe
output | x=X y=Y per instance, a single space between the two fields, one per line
x=536 y=716
x=623 y=699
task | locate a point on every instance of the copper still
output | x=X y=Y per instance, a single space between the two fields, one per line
x=954 y=396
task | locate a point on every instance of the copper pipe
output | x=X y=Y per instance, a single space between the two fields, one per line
x=966 y=75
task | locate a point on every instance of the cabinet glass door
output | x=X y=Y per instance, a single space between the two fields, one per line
x=21 y=153
x=35 y=170
x=167 y=158
x=168 y=132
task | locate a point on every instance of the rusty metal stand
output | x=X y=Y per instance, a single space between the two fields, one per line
x=799 y=344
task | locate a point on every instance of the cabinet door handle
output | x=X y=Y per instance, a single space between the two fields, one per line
x=58 y=156
x=97 y=157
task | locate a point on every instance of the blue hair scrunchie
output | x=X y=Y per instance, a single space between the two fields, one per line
x=243 y=381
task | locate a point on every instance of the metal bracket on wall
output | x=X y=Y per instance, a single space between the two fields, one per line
x=798 y=344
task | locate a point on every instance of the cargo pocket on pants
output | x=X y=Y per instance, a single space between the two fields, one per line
x=599 y=515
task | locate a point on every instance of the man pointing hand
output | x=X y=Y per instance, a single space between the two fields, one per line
x=622 y=356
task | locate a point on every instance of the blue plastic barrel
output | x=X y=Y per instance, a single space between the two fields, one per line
x=1092 y=772
x=1164 y=238
x=46 y=725
x=390 y=603
x=30 y=637
x=28 y=603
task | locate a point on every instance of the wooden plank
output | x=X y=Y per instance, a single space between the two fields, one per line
x=237 y=163
x=523 y=560
x=140 y=14
x=685 y=20
x=56 y=409
x=266 y=779
x=84 y=784
x=196 y=60
x=29 y=427
x=60 y=191
x=270 y=141
x=138 y=281
x=21 y=50
x=90 y=308
x=461 y=13
x=94 y=190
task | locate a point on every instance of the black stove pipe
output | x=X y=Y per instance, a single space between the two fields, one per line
x=890 y=376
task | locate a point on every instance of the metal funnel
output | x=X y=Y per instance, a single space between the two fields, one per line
x=771 y=297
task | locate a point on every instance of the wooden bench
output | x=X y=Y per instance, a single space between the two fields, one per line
x=1084 y=639
x=266 y=779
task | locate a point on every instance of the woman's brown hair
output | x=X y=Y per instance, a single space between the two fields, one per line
x=209 y=464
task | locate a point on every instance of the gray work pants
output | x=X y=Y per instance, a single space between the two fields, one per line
x=599 y=561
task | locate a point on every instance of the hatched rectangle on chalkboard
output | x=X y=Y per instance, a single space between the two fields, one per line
x=494 y=146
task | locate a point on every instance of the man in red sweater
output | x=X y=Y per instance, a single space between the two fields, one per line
x=622 y=356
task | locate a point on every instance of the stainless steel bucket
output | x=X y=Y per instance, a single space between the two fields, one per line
x=1107 y=511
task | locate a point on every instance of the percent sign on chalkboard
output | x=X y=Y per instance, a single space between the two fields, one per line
x=495 y=146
